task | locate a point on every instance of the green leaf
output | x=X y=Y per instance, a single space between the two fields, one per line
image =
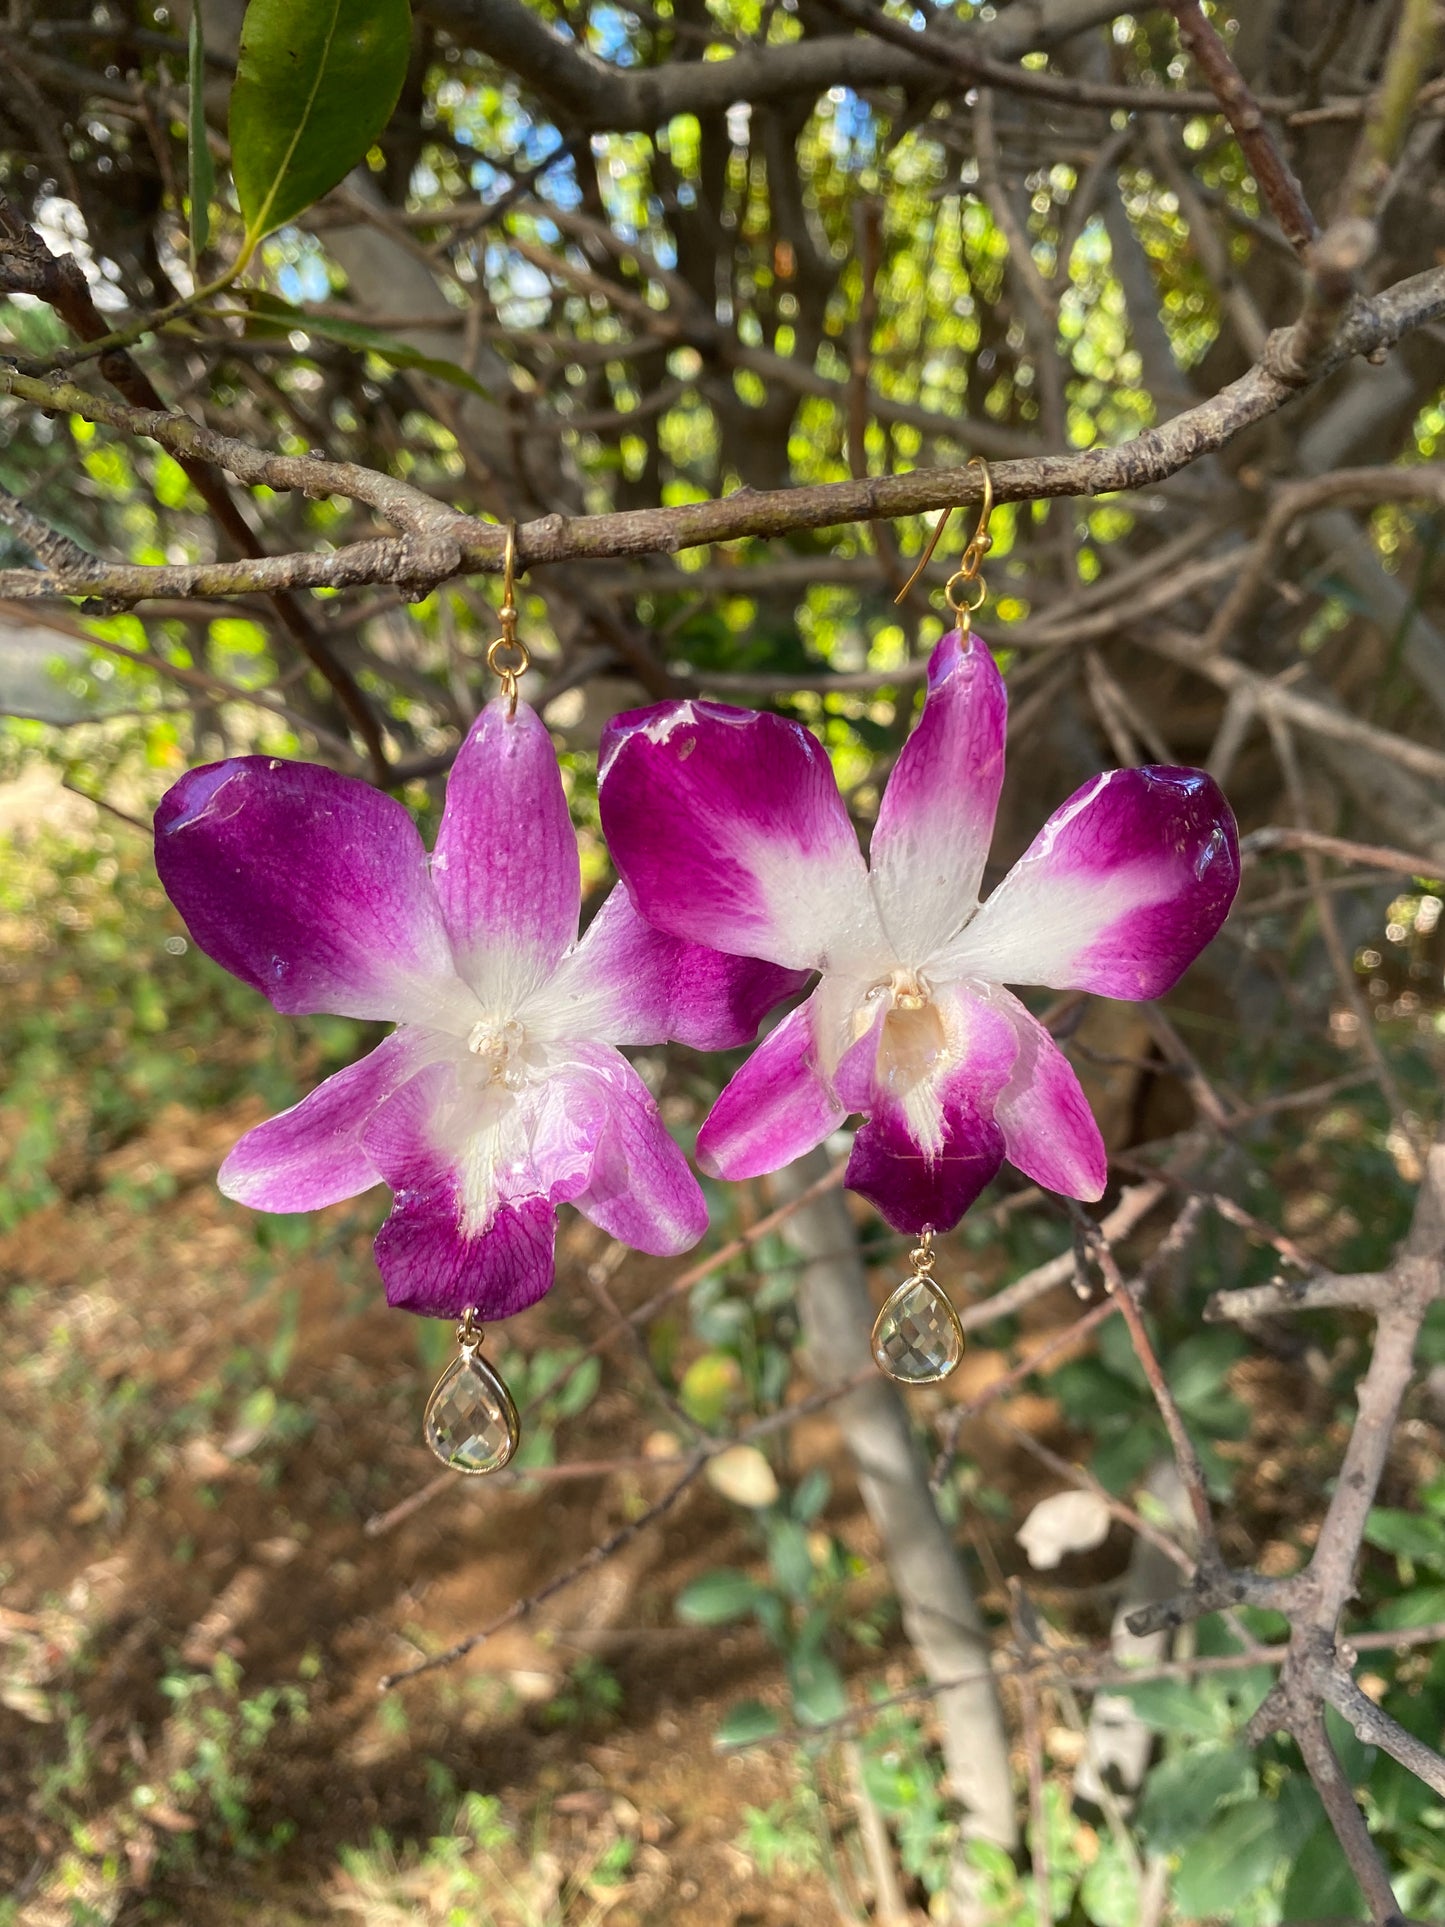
x=718 y=1597
x=1320 y=1885
x=811 y=1495
x=1110 y=1892
x=272 y=316
x=580 y=1388
x=747 y=1723
x=1174 y=1706
x=316 y=82
x=200 y=174
x=709 y=1386
x=1407 y=1536
x=1197 y=1371
x=1182 y=1794
x=790 y=1558
x=819 y=1694
x=1420 y=1607
x=1231 y=1862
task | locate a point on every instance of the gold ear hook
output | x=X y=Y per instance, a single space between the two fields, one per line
x=517 y=661
x=979 y=545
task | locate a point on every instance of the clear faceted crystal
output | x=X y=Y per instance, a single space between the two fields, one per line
x=917 y=1337
x=471 y=1422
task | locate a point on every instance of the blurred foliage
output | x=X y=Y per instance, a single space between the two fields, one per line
x=111 y=1013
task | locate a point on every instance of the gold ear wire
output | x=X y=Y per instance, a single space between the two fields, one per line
x=511 y=671
x=979 y=545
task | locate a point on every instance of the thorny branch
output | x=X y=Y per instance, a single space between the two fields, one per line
x=1316 y=1665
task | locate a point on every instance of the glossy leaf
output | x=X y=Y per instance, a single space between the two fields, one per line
x=200 y=174
x=315 y=84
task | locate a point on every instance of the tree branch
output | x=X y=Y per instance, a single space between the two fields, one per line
x=599 y=97
x=1277 y=180
x=1149 y=458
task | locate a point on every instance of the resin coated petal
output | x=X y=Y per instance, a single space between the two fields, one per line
x=312 y=887
x=778 y=1106
x=1118 y=893
x=471 y=1223
x=312 y=1155
x=728 y=829
x=430 y=1267
x=631 y=984
x=913 y=1186
x=935 y=821
x=505 y=863
x=490 y=1146
x=1050 y=1133
x=641 y=1190
x=931 y=1143
x=855 y=1073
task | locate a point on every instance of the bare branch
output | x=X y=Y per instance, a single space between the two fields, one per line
x=1149 y=458
x=1277 y=180
x=595 y=95
x=1338 y=1799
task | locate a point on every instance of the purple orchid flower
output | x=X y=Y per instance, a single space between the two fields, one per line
x=728 y=828
x=502 y=1092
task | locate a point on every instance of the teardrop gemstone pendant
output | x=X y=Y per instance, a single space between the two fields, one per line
x=471 y=1421
x=917 y=1339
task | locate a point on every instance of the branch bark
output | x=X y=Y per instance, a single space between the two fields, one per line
x=596 y=95
x=1277 y=180
x=1148 y=459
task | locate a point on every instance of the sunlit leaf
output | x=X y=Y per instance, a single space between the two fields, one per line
x=718 y=1597
x=315 y=84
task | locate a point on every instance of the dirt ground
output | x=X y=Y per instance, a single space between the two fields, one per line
x=154 y=1519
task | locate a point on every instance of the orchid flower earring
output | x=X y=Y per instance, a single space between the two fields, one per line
x=727 y=827
x=502 y=1092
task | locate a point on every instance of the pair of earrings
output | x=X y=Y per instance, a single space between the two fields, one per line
x=471 y=1423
